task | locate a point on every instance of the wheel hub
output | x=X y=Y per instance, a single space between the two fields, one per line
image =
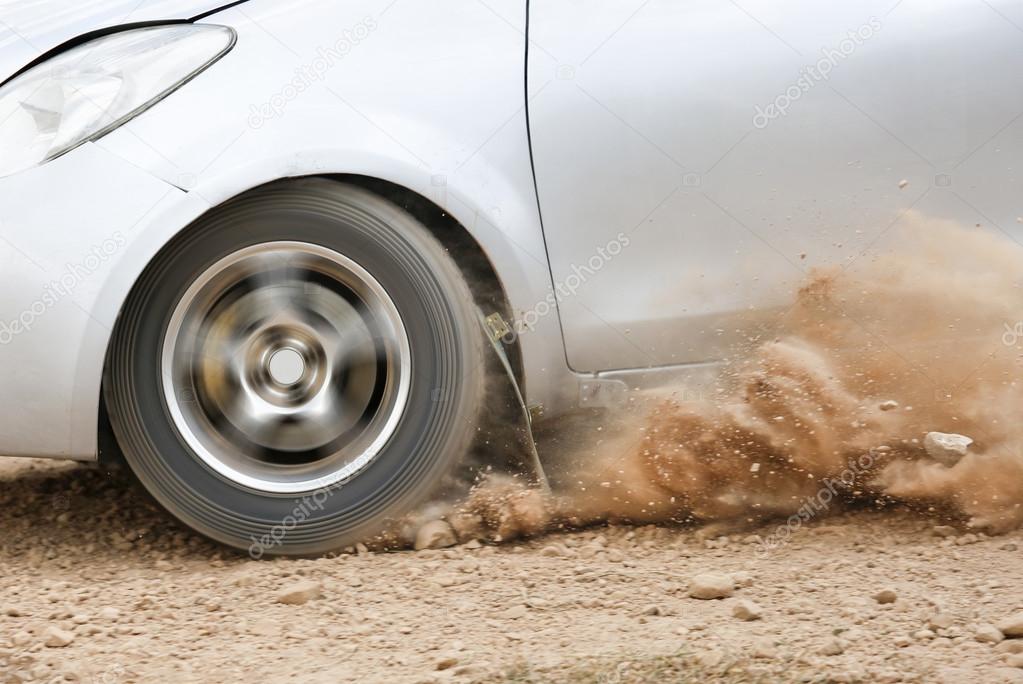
x=286 y=367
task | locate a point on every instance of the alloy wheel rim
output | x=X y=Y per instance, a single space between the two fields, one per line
x=286 y=367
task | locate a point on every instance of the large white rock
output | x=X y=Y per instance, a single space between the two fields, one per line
x=946 y=448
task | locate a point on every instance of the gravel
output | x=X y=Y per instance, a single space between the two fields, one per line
x=126 y=595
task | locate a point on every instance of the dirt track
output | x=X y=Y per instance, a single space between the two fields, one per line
x=84 y=558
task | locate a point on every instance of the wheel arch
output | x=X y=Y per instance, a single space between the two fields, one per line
x=479 y=270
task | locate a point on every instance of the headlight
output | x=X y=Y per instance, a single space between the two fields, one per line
x=93 y=88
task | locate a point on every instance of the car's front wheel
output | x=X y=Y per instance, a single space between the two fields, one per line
x=296 y=368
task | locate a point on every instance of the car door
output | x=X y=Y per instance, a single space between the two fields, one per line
x=695 y=158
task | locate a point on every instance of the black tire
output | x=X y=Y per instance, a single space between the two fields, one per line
x=444 y=395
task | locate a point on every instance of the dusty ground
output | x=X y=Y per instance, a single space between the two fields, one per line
x=82 y=557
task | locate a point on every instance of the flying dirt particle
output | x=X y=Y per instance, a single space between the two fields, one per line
x=903 y=183
x=946 y=448
x=300 y=592
x=711 y=585
x=889 y=405
x=435 y=534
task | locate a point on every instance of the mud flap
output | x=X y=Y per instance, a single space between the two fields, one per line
x=495 y=328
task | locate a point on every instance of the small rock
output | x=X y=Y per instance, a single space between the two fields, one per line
x=711 y=585
x=944 y=531
x=946 y=448
x=299 y=593
x=988 y=634
x=1012 y=626
x=553 y=551
x=966 y=539
x=889 y=405
x=652 y=610
x=940 y=621
x=57 y=638
x=709 y=658
x=742 y=579
x=436 y=534
x=515 y=612
x=886 y=596
x=1015 y=660
x=446 y=663
x=763 y=648
x=747 y=610
x=833 y=647
x=1010 y=647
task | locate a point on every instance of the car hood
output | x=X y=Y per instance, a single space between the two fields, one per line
x=29 y=28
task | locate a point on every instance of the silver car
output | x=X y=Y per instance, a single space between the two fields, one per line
x=286 y=246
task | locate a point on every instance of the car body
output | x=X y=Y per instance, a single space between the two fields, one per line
x=638 y=175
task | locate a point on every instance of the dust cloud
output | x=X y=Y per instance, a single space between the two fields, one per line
x=835 y=406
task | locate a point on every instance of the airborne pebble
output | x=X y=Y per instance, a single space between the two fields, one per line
x=946 y=448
